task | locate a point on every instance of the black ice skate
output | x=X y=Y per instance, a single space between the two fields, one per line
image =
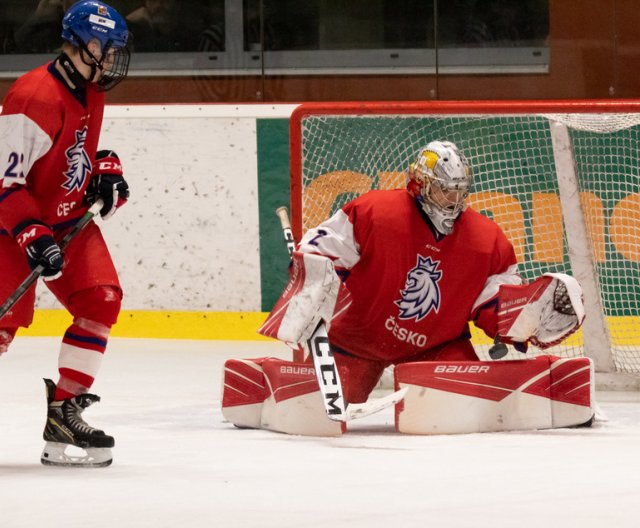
x=65 y=429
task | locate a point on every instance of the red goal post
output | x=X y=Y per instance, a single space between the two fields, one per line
x=560 y=177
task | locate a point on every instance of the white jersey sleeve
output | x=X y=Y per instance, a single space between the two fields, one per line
x=22 y=143
x=333 y=238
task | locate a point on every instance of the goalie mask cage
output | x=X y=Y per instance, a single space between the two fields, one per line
x=561 y=178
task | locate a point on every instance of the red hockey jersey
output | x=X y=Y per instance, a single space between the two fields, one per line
x=49 y=138
x=411 y=289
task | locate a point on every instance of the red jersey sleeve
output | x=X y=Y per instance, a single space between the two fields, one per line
x=504 y=271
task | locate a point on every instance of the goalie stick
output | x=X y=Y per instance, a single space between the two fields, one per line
x=325 y=365
x=37 y=271
x=283 y=215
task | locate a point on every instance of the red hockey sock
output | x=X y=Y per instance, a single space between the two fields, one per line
x=80 y=358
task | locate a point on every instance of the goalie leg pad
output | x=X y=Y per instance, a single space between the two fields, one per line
x=294 y=403
x=483 y=396
x=243 y=392
x=277 y=395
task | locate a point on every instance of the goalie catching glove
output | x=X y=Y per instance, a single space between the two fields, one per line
x=107 y=183
x=543 y=313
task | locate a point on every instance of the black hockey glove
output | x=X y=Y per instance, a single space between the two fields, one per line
x=36 y=240
x=107 y=183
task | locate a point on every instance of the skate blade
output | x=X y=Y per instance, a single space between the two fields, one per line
x=55 y=454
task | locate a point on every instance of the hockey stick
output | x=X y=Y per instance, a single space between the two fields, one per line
x=37 y=271
x=325 y=364
x=317 y=345
x=283 y=215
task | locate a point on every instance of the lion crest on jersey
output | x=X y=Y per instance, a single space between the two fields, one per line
x=78 y=163
x=421 y=293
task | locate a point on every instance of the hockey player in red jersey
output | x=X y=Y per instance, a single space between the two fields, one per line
x=51 y=171
x=397 y=276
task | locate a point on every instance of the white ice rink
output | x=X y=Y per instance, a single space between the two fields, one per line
x=176 y=464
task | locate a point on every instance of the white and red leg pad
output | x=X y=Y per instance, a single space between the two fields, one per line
x=243 y=391
x=294 y=404
x=277 y=395
x=472 y=397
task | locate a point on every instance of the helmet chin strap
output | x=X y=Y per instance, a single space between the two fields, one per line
x=74 y=75
x=94 y=64
x=72 y=72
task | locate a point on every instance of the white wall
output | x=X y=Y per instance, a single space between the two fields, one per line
x=188 y=239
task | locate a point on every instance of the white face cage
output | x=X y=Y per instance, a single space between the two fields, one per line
x=440 y=178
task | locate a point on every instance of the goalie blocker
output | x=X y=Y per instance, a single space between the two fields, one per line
x=443 y=397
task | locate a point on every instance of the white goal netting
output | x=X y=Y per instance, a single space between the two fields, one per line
x=564 y=187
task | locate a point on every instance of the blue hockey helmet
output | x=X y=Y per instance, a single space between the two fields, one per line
x=88 y=20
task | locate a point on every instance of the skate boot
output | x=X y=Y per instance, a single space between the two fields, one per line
x=65 y=429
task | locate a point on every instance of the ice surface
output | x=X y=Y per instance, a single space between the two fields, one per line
x=177 y=464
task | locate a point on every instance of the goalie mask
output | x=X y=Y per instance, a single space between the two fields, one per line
x=440 y=180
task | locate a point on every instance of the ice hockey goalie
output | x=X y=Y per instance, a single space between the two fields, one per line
x=418 y=267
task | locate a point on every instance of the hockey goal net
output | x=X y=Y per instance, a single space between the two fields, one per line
x=562 y=179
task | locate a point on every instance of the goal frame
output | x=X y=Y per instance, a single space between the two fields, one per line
x=569 y=106
x=595 y=330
